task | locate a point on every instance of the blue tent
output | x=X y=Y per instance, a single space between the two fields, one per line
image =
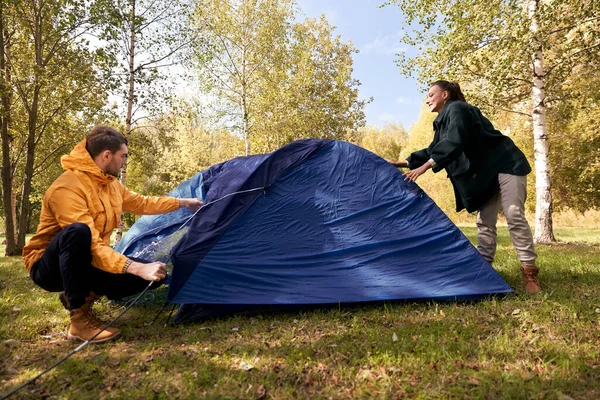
x=315 y=222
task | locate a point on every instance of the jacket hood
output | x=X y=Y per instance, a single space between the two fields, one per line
x=80 y=160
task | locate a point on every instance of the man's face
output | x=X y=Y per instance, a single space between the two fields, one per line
x=436 y=98
x=116 y=161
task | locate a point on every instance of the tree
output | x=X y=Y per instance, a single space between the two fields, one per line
x=240 y=41
x=148 y=36
x=509 y=52
x=576 y=162
x=181 y=145
x=5 y=114
x=387 y=142
x=309 y=91
x=52 y=77
x=276 y=80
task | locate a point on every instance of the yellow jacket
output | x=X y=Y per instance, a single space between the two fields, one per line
x=84 y=193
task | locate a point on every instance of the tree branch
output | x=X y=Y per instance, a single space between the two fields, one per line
x=571 y=56
x=35 y=168
x=572 y=26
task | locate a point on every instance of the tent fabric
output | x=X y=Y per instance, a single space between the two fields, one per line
x=315 y=222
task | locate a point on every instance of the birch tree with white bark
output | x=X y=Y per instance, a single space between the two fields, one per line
x=509 y=55
x=147 y=38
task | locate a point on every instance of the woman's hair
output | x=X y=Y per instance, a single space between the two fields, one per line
x=453 y=89
x=102 y=138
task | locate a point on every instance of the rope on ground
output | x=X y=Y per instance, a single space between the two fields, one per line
x=78 y=348
x=128 y=306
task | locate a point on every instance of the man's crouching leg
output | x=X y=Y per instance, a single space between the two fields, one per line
x=66 y=266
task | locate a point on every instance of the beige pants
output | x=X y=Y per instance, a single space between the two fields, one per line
x=512 y=196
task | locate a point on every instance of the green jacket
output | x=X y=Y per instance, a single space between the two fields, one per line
x=472 y=152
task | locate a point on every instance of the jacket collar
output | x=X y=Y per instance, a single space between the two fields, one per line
x=442 y=114
x=80 y=160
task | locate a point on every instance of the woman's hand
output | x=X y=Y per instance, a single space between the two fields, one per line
x=398 y=164
x=412 y=175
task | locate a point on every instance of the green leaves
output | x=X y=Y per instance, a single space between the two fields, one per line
x=277 y=80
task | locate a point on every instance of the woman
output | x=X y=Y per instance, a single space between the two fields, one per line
x=486 y=170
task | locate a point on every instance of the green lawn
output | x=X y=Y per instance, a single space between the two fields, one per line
x=518 y=347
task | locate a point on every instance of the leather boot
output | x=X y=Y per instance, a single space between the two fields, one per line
x=84 y=324
x=530 y=278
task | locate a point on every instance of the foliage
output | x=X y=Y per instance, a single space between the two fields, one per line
x=177 y=147
x=57 y=86
x=145 y=40
x=387 y=142
x=510 y=55
x=311 y=92
x=576 y=160
x=518 y=346
x=276 y=80
x=489 y=45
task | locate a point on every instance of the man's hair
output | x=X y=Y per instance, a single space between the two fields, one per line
x=102 y=138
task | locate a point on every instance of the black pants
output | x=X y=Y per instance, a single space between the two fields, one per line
x=66 y=265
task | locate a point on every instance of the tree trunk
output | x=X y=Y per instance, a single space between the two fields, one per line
x=130 y=99
x=543 y=183
x=28 y=173
x=6 y=171
x=245 y=122
x=32 y=112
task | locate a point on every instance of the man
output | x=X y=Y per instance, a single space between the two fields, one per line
x=71 y=253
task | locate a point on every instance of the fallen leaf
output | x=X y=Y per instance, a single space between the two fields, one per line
x=261 y=391
x=366 y=374
x=474 y=381
x=10 y=343
x=539 y=369
x=535 y=339
x=245 y=366
x=517 y=311
x=394 y=337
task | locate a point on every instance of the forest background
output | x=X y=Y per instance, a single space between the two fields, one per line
x=193 y=83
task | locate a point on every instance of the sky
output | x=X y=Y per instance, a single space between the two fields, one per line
x=375 y=33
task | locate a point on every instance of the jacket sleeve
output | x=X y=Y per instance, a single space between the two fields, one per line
x=450 y=146
x=144 y=205
x=69 y=206
x=418 y=158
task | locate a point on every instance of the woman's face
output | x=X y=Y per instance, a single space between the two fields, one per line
x=436 y=98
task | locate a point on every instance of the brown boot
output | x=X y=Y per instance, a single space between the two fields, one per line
x=84 y=324
x=530 y=278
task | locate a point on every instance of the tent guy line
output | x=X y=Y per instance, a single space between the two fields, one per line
x=78 y=348
x=127 y=307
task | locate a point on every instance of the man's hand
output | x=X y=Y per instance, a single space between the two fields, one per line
x=412 y=175
x=191 y=204
x=154 y=271
x=398 y=164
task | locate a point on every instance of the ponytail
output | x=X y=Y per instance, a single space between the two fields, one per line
x=453 y=89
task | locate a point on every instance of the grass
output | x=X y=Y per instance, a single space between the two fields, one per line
x=545 y=346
